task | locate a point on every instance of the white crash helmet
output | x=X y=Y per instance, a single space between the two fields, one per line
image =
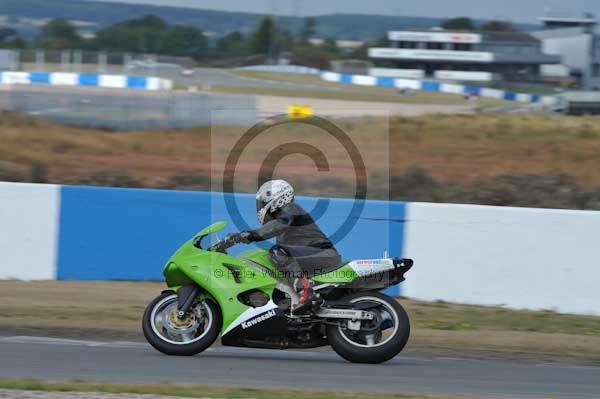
x=271 y=196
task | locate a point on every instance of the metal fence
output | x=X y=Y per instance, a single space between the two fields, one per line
x=87 y=61
x=128 y=109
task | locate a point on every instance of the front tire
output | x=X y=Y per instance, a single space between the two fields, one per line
x=187 y=337
x=373 y=343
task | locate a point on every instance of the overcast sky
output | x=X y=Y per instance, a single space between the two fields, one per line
x=515 y=10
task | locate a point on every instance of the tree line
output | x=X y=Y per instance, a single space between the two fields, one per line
x=152 y=35
x=468 y=25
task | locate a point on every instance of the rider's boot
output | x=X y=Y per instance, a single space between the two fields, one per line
x=309 y=300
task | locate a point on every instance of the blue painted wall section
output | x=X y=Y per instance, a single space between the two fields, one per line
x=129 y=234
x=88 y=79
x=136 y=82
x=40 y=77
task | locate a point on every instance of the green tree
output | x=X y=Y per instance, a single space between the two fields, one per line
x=312 y=56
x=232 y=44
x=330 y=45
x=309 y=28
x=184 y=41
x=7 y=33
x=147 y=22
x=144 y=35
x=59 y=34
x=498 y=26
x=284 y=40
x=263 y=39
x=460 y=23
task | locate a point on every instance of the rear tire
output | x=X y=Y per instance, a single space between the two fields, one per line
x=363 y=353
x=160 y=341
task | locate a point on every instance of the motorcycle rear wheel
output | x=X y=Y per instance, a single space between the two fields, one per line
x=187 y=337
x=374 y=343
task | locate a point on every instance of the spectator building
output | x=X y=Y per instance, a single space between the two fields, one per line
x=575 y=40
x=445 y=55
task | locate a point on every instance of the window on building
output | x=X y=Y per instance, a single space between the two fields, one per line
x=596 y=69
x=462 y=46
x=435 y=46
x=408 y=45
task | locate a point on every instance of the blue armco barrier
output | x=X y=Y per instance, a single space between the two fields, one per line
x=85 y=79
x=430 y=86
x=66 y=232
x=435 y=86
x=386 y=82
x=40 y=77
x=88 y=79
x=129 y=234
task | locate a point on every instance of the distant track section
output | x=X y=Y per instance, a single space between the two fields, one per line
x=434 y=86
x=85 y=79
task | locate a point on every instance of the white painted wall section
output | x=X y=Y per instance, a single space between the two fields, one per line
x=64 y=79
x=364 y=80
x=517 y=257
x=397 y=73
x=114 y=81
x=10 y=78
x=29 y=216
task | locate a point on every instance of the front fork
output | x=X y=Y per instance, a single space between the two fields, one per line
x=186 y=296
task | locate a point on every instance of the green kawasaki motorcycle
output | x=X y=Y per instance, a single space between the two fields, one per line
x=210 y=293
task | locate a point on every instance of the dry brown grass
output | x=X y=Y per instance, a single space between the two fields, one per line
x=113 y=310
x=451 y=148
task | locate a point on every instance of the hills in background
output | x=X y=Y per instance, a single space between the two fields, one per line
x=28 y=15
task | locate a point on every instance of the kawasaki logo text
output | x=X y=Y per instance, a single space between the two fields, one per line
x=259 y=319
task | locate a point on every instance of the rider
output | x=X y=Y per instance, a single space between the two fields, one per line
x=301 y=248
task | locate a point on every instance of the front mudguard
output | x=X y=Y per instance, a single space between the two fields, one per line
x=223 y=278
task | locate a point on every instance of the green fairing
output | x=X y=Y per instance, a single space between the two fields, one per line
x=344 y=274
x=206 y=268
x=213 y=228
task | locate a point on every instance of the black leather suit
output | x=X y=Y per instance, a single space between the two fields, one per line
x=301 y=247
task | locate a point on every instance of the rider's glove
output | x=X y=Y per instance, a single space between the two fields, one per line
x=244 y=237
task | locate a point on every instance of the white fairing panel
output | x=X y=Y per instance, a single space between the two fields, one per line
x=365 y=267
x=249 y=314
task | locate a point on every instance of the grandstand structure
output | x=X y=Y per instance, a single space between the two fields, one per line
x=452 y=55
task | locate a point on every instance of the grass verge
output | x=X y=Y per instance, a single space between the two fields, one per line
x=195 y=391
x=112 y=311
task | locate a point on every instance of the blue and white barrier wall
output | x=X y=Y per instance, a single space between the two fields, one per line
x=93 y=233
x=516 y=257
x=426 y=85
x=85 y=79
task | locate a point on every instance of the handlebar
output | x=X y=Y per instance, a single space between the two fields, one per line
x=229 y=241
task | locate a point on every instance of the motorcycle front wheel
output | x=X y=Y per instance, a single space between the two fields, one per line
x=181 y=337
x=377 y=340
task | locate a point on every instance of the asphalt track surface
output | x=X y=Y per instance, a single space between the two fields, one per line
x=225 y=78
x=58 y=360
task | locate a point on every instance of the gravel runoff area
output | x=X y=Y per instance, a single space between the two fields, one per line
x=269 y=105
